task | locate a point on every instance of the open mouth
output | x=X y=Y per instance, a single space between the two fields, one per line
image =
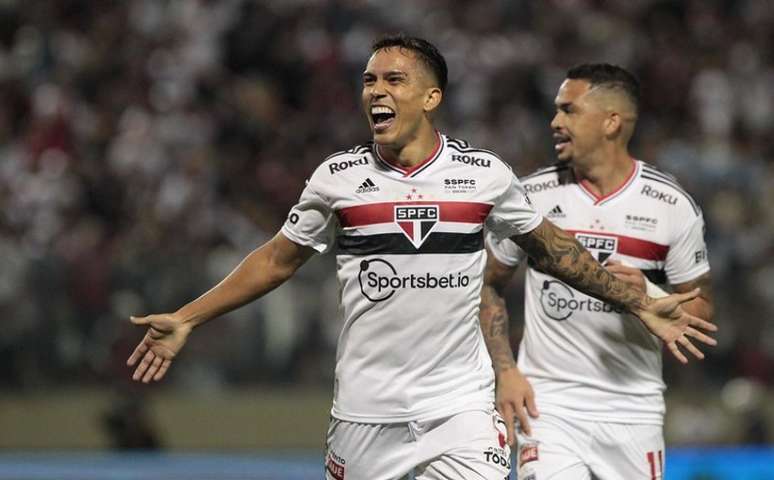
x=382 y=117
x=561 y=142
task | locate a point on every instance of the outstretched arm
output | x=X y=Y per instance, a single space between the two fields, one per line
x=513 y=391
x=701 y=306
x=559 y=254
x=262 y=271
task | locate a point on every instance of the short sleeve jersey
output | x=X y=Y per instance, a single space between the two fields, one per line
x=410 y=256
x=584 y=357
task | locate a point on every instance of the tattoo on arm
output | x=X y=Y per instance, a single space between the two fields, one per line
x=494 y=316
x=558 y=253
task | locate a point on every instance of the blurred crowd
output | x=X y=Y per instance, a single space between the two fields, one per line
x=147 y=146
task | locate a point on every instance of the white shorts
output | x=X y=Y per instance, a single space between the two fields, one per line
x=466 y=446
x=571 y=449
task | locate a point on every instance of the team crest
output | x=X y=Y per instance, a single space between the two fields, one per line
x=417 y=221
x=601 y=246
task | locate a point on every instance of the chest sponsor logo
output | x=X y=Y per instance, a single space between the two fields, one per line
x=539 y=187
x=379 y=280
x=601 y=246
x=336 y=167
x=459 y=185
x=651 y=192
x=498 y=456
x=471 y=160
x=417 y=221
x=559 y=302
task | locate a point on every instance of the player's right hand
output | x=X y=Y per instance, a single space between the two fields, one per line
x=166 y=336
x=514 y=397
x=673 y=325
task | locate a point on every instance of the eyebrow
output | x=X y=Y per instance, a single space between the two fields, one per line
x=387 y=73
x=563 y=105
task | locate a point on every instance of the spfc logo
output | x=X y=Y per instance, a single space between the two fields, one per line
x=417 y=221
x=601 y=246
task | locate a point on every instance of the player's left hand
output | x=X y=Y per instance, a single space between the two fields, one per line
x=667 y=320
x=514 y=397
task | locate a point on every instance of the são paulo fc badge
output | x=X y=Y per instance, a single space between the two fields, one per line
x=600 y=245
x=417 y=221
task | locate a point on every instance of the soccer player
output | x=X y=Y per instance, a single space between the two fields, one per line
x=593 y=375
x=414 y=386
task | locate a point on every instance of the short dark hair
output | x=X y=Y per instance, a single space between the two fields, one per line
x=608 y=76
x=426 y=51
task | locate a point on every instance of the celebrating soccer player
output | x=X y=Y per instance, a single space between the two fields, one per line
x=414 y=385
x=589 y=372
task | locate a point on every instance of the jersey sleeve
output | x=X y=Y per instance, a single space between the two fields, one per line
x=504 y=251
x=687 y=256
x=311 y=221
x=512 y=213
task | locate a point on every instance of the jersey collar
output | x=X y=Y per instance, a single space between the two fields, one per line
x=416 y=169
x=601 y=200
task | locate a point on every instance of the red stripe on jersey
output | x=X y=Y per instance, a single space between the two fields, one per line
x=633 y=247
x=373 y=213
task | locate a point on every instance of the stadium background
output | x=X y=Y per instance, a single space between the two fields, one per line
x=146 y=146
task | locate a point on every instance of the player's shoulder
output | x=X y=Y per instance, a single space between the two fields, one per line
x=547 y=178
x=462 y=152
x=342 y=161
x=665 y=189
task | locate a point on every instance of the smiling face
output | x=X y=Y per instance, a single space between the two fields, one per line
x=399 y=93
x=579 y=123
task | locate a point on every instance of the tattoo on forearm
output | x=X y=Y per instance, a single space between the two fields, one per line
x=559 y=254
x=494 y=325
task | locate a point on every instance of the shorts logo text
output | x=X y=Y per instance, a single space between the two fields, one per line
x=335 y=466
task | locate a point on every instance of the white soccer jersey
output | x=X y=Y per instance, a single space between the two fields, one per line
x=585 y=357
x=410 y=258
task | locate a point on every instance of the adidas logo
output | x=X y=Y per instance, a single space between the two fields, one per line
x=556 y=212
x=367 y=186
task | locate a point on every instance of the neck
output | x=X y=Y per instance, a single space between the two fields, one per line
x=415 y=151
x=604 y=172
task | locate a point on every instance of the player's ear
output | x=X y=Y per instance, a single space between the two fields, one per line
x=612 y=124
x=433 y=98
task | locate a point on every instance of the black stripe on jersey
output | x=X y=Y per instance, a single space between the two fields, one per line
x=651 y=169
x=668 y=177
x=677 y=187
x=655 y=275
x=356 y=150
x=546 y=171
x=464 y=147
x=398 y=244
